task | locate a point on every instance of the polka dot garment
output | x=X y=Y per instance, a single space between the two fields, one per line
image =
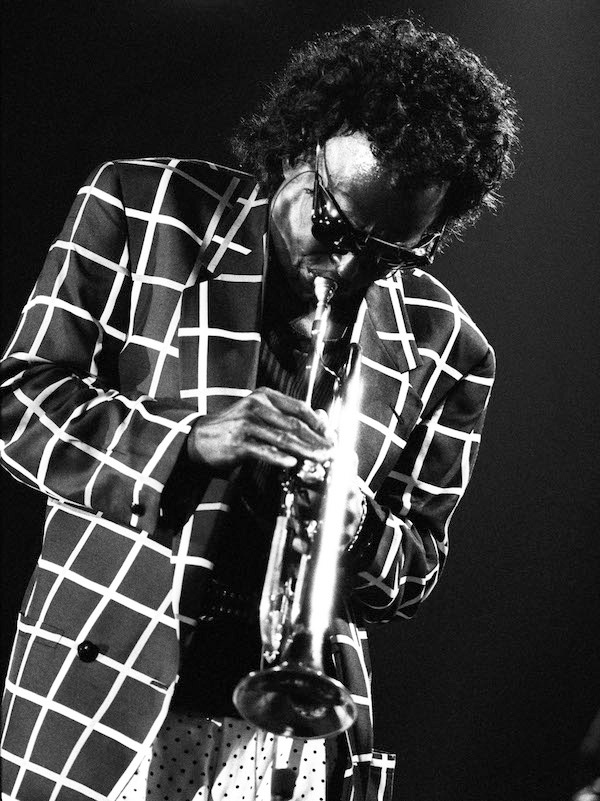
x=223 y=760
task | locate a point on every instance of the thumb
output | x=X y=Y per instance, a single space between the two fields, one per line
x=329 y=431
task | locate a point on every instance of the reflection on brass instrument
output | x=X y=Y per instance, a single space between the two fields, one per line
x=294 y=697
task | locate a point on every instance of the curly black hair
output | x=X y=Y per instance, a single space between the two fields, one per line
x=432 y=109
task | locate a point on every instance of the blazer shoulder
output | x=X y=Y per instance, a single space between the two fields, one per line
x=437 y=317
x=181 y=186
x=198 y=172
x=183 y=189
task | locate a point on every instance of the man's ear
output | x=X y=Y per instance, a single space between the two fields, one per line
x=303 y=160
x=286 y=167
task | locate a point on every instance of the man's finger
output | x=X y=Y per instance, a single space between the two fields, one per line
x=271 y=455
x=298 y=409
x=282 y=416
x=285 y=442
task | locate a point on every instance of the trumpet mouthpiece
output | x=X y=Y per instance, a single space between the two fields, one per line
x=324 y=289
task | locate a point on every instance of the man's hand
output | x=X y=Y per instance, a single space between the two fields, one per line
x=265 y=425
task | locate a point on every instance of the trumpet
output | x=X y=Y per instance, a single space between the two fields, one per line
x=294 y=696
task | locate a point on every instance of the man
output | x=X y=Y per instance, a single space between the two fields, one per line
x=130 y=398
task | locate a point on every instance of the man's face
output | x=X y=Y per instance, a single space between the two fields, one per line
x=367 y=197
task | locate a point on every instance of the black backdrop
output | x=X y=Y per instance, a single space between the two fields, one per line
x=488 y=692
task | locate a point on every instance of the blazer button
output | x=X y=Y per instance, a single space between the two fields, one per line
x=138 y=508
x=87 y=651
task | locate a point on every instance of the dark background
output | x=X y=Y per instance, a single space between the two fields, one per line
x=486 y=695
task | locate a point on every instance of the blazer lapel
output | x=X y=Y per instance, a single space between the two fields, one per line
x=390 y=407
x=219 y=337
x=387 y=311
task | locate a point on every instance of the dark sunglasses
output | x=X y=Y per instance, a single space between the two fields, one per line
x=332 y=228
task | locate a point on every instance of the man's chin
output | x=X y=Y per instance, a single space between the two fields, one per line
x=304 y=285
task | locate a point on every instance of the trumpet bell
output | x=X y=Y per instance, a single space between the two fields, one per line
x=295 y=701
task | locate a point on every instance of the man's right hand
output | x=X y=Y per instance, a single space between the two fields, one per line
x=265 y=425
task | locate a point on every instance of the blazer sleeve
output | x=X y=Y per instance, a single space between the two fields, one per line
x=66 y=428
x=403 y=544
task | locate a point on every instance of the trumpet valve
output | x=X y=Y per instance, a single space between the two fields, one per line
x=311 y=472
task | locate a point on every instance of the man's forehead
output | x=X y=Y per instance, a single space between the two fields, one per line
x=362 y=185
x=349 y=157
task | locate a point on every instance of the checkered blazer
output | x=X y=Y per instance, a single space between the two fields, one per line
x=147 y=315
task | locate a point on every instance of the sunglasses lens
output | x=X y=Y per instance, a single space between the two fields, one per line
x=328 y=224
x=333 y=236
